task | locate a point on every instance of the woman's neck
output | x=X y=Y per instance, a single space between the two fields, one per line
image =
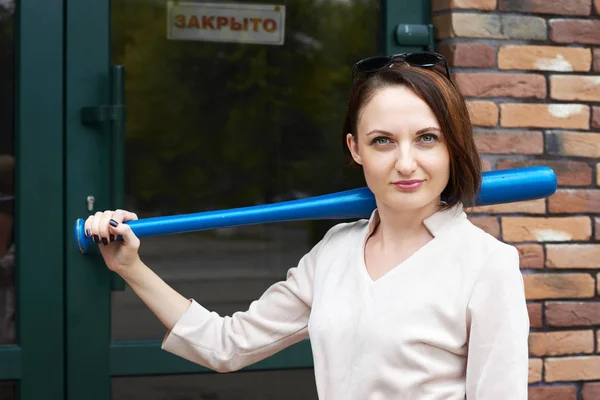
x=398 y=228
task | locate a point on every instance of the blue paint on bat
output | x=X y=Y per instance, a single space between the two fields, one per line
x=497 y=187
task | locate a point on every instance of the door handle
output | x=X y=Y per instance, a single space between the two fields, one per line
x=110 y=118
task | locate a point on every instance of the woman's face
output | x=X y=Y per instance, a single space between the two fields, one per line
x=402 y=150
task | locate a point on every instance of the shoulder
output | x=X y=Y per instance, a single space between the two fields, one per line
x=479 y=252
x=344 y=232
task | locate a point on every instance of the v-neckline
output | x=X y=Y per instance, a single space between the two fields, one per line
x=435 y=224
x=363 y=261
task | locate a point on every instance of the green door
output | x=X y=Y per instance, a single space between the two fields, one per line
x=200 y=117
x=31 y=200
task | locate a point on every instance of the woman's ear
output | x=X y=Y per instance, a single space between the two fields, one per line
x=353 y=147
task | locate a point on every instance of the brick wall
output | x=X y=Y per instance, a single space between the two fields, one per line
x=530 y=70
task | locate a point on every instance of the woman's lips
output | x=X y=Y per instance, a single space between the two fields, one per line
x=408 y=185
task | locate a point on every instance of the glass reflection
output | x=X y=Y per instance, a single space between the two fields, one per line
x=8 y=391
x=222 y=125
x=7 y=245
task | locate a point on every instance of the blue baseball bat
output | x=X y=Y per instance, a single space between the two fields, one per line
x=504 y=186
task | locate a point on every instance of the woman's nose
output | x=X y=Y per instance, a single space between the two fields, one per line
x=406 y=162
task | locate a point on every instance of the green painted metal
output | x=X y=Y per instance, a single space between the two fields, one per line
x=10 y=363
x=87 y=57
x=39 y=199
x=147 y=358
x=394 y=12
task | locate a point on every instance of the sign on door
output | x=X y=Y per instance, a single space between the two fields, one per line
x=235 y=23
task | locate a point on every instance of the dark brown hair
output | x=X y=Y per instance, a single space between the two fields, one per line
x=449 y=107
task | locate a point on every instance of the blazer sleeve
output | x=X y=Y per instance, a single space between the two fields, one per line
x=278 y=319
x=498 y=324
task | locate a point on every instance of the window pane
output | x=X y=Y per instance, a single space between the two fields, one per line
x=272 y=385
x=7 y=152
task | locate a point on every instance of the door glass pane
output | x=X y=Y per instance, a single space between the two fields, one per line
x=272 y=385
x=8 y=391
x=7 y=152
x=222 y=125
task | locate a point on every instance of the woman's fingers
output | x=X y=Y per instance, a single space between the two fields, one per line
x=103 y=231
x=104 y=227
x=125 y=232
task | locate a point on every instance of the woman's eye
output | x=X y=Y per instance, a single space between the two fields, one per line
x=428 y=138
x=380 y=140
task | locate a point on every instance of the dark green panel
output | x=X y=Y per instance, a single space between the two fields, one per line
x=87 y=164
x=402 y=12
x=39 y=197
x=147 y=358
x=10 y=363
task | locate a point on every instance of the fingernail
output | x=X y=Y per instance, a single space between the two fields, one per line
x=104 y=241
x=113 y=223
x=96 y=239
x=112 y=237
x=88 y=232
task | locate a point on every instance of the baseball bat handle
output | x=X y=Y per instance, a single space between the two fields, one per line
x=503 y=186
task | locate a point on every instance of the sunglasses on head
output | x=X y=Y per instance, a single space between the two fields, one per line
x=424 y=59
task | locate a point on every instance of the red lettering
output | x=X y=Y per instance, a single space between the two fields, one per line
x=180 y=21
x=235 y=26
x=255 y=22
x=221 y=22
x=193 y=22
x=245 y=24
x=270 y=25
x=207 y=22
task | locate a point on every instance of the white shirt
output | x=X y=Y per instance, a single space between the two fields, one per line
x=447 y=323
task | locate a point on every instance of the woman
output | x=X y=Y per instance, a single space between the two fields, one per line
x=414 y=303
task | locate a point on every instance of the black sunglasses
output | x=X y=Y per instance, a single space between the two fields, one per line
x=425 y=59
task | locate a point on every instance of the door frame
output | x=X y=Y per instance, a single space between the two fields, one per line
x=37 y=361
x=91 y=358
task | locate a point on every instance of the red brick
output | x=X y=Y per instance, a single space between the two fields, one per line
x=572 y=313
x=598 y=176
x=575 y=31
x=580 y=88
x=562 y=392
x=501 y=85
x=561 y=343
x=469 y=55
x=576 y=144
x=575 y=201
x=535 y=315
x=595 y=117
x=486 y=165
x=468 y=25
x=501 y=141
x=555 y=229
x=566 y=116
x=438 y=5
x=597 y=9
x=568 y=173
x=524 y=27
x=522 y=207
x=483 y=113
x=591 y=391
x=570 y=7
x=544 y=58
x=573 y=256
x=586 y=368
x=596 y=58
x=531 y=255
x=488 y=224
x=558 y=286
x=535 y=370
x=597 y=227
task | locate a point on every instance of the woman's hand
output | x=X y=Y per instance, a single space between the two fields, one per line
x=104 y=227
